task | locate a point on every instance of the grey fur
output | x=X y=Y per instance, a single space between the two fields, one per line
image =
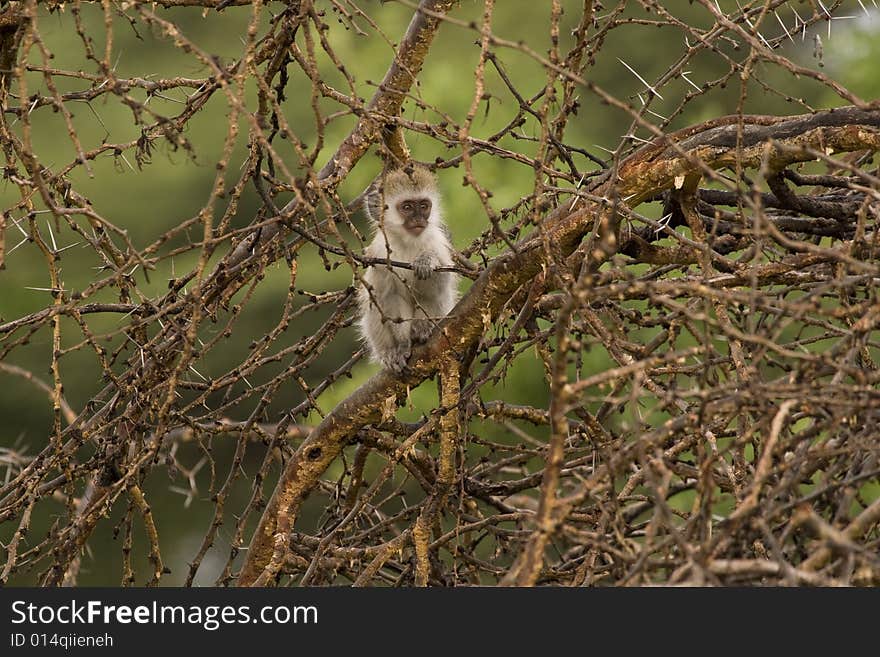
x=401 y=308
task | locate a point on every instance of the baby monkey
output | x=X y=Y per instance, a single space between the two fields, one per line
x=399 y=307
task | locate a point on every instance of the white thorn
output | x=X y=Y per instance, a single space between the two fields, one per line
x=689 y=81
x=787 y=33
x=16 y=246
x=643 y=81
x=52 y=237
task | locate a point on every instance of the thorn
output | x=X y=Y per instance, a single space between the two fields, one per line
x=52 y=237
x=122 y=155
x=798 y=20
x=785 y=29
x=650 y=111
x=44 y=289
x=22 y=230
x=684 y=74
x=634 y=138
x=641 y=79
x=663 y=223
x=197 y=373
x=16 y=246
x=128 y=314
x=69 y=246
x=752 y=25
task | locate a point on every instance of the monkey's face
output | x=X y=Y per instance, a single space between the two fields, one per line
x=414 y=212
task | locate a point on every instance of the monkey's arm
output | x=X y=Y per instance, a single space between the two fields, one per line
x=437 y=252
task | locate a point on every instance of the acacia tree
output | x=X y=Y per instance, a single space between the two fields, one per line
x=697 y=304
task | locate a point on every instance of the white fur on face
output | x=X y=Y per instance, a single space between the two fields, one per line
x=391 y=219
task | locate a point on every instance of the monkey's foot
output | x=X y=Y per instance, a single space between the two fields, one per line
x=421 y=330
x=396 y=360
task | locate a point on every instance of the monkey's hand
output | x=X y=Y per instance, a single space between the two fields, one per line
x=424 y=265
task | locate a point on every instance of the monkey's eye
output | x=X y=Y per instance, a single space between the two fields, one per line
x=424 y=205
x=407 y=206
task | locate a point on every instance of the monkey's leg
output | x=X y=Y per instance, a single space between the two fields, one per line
x=433 y=301
x=389 y=340
x=421 y=330
x=401 y=349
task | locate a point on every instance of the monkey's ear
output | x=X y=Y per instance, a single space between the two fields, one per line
x=373 y=204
